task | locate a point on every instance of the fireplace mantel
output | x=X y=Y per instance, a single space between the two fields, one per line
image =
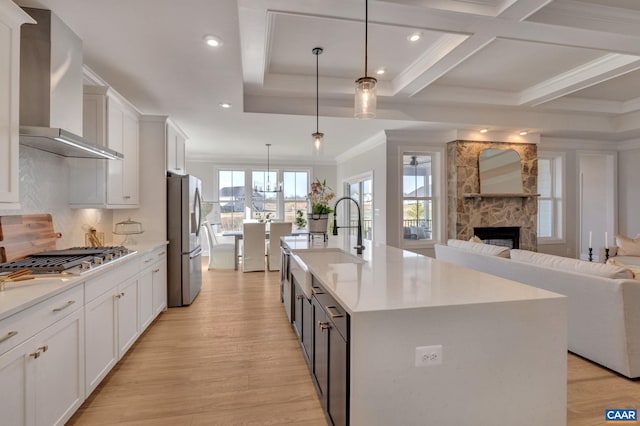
x=480 y=195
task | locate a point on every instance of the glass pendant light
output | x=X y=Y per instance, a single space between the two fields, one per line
x=365 y=102
x=317 y=137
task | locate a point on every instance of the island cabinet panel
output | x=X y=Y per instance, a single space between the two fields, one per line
x=330 y=366
x=303 y=321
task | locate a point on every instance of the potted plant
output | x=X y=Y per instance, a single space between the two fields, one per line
x=301 y=222
x=319 y=198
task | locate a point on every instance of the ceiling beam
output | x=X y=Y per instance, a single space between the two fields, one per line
x=597 y=71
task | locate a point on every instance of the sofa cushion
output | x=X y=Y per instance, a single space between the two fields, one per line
x=481 y=248
x=635 y=269
x=574 y=265
x=627 y=260
x=627 y=246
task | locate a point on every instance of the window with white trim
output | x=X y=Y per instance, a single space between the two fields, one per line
x=231 y=196
x=418 y=201
x=550 y=202
x=295 y=189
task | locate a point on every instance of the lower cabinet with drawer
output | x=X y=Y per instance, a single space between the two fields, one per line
x=111 y=323
x=330 y=365
x=43 y=377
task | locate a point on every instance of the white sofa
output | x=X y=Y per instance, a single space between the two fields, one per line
x=603 y=313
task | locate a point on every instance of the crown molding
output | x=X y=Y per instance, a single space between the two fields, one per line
x=628 y=145
x=575 y=144
x=374 y=141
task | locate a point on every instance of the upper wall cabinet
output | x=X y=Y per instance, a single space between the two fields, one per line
x=11 y=18
x=108 y=120
x=176 y=142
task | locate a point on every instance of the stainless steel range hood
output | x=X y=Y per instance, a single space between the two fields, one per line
x=51 y=89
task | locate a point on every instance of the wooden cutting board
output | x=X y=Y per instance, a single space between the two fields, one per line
x=24 y=235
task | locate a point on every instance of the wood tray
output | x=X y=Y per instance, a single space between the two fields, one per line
x=24 y=235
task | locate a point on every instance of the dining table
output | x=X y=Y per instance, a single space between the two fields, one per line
x=237 y=236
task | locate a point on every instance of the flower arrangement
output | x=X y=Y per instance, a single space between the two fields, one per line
x=320 y=196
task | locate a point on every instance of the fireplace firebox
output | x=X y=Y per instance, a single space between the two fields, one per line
x=507 y=236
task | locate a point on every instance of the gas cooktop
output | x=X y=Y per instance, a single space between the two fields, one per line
x=75 y=260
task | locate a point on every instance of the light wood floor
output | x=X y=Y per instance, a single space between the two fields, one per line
x=232 y=358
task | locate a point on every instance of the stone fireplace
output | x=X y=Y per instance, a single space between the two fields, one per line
x=507 y=236
x=469 y=209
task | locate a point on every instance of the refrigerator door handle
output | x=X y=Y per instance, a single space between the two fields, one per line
x=197 y=252
x=197 y=207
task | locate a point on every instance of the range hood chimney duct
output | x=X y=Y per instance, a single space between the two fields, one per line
x=51 y=89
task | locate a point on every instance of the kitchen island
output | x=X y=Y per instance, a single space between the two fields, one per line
x=405 y=339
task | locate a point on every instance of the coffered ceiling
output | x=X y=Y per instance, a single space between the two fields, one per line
x=560 y=68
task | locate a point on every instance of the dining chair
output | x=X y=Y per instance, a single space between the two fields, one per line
x=221 y=255
x=253 y=256
x=277 y=230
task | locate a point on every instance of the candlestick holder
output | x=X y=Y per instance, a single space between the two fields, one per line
x=606 y=254
x=590 y=254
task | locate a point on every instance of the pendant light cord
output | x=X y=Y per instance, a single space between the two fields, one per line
x=317 y=95
x=366 y=33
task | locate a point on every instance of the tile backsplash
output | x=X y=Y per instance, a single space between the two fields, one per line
x=44 y=188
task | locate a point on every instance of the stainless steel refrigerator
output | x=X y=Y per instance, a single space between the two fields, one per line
x=184 y=218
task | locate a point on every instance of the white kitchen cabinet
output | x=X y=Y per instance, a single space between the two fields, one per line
x=145 y=298
x=108 y=120
x=159 y=277
x=111 y=315
x=100 y=339
x=11 y=18
x=128 y=329
x=176 y=143
x=152 y=286
x=43 y=378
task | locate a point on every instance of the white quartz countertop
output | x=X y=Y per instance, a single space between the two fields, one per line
x=21 y=295
x=388 y=278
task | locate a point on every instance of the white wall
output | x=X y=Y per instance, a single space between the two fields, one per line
x=44 y=188
x=373 y=160
x=628 y=193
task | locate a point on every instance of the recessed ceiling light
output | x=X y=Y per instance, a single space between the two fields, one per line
x=484 y=130
x=414 y=37
x=524 y=133
x=213 y=41
x=380 y=71
x=225 y=104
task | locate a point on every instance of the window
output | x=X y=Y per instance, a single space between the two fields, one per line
x=550 y=202
x=361 y=190
x=295 y=189
x=264 y=202
x=417 y=197
x=231 y=194
x=248 y=194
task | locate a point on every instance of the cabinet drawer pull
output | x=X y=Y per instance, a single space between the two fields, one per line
x=156 y=270
x=8 y=336
x=323 y=325
x=162 y=254
x=316 y=290
x=336 y=312
x=119 y=295
x=147 y=261
x=35 y=354
x=299 y=296
x=126 y=197
x=43 y=348
x=69 y=303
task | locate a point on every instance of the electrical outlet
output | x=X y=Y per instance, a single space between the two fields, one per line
x=427 y=356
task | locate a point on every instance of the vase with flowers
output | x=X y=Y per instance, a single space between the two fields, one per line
x=319 y=198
